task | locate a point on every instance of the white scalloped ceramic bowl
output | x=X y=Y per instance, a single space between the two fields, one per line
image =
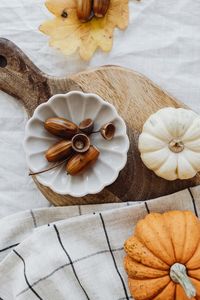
x=77 y=106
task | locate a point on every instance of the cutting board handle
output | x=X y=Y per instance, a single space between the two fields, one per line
x=20 y=78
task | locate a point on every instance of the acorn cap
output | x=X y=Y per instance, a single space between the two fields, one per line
x=108 y=131
x=87 y=126
x=80 y=143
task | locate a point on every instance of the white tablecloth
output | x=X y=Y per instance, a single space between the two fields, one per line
x=162 y=42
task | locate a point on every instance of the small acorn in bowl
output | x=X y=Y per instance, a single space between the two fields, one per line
x=75 y=147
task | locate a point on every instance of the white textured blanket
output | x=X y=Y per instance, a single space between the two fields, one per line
x=58 y=254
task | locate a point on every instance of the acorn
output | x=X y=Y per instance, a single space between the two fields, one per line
x=82 y=161
x=84 y=10
x=100 y=7
x=59 y=151
x=86 y=126
x=61 y=127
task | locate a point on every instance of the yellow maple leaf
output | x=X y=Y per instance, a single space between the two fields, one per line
x=68 y=34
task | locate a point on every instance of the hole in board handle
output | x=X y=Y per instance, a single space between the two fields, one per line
x=3 y=61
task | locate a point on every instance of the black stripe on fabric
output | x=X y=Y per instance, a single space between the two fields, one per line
x=147 y=208
x=68 y=264
x=25 y=277
x=113 y=257
x=193 y=202
x=9 y=247
x=79 y=210
x=34 y=219
x=70 y=260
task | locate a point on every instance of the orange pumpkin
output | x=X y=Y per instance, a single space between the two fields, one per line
x=163 y=257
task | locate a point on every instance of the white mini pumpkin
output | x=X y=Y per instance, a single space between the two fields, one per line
x=170 y=143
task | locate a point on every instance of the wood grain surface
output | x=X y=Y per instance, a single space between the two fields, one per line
x=135 y=98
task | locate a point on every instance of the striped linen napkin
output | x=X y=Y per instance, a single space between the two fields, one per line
x=75 y=253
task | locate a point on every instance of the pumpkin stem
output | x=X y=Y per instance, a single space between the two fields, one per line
x=176 y=146
x=179 y=275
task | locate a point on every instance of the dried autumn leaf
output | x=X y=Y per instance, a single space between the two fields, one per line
x=69 y=35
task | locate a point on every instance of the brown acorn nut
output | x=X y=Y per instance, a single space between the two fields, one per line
x=59 y=151
x=82 y=161
x=84 y=10
x=61 y=127
x=100 y=7
x=86 y=126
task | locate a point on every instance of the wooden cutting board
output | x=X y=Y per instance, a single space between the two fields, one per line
x=135 y=98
